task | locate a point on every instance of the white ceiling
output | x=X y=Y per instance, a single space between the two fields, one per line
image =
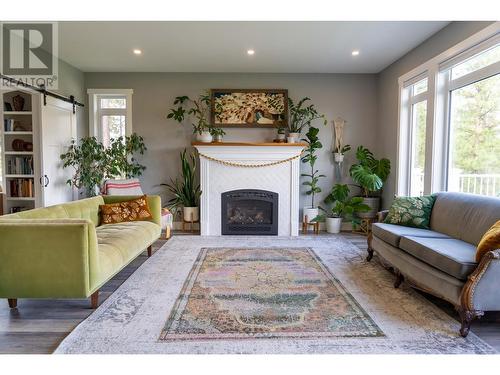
x=280 y=47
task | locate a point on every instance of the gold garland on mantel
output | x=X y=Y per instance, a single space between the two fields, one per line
x=233 y=164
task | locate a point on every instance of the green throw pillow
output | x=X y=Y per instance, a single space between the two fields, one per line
x=411 y=211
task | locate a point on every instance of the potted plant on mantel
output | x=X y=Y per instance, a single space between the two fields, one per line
x=301 y=116
x=186 y=193
x=310 y=157
x=370 y=174
x=200 y=110
x=343 y=207
x=218 y=134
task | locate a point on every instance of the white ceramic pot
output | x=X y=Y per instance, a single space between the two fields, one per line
x=190 y=213
x=295 y=136
x=333 y=224
x=310 y=212
x=218 y=138
x=338 y=157
x=290 y=140
x=280 y=136
x=204 y=137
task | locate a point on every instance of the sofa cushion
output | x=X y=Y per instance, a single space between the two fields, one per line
x=119 y=243
x=452 y=256
x=411 y=211
x=392 y=233
x=464 y=216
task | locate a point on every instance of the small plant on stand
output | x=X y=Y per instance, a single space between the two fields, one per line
x=199 y=109
x=343 y=207
x=186 y=192
x=301 y=117
x=370 y=174
x=310 y=157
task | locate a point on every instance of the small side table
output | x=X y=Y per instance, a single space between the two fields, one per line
x=306 y=223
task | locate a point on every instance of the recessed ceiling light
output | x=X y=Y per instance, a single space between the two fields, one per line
x=355 y=52
x=251 y=52
x=137 y=52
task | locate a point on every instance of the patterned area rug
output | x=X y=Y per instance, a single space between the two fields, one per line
x=264 y=293
x=131 y=320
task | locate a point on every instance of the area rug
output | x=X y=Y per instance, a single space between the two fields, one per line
x=135 y=319
x=264 y=293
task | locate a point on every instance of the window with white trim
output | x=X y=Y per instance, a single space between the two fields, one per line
x=111 y=114
x=449 y=129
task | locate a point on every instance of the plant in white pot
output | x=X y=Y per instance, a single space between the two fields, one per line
x=199 y=109
x=218 y=134
x=301 y=117
x=343 y=207
x=370 y=174
x=310 y=157
x=186 y=192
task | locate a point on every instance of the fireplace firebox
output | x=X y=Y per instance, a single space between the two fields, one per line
x=249 y=212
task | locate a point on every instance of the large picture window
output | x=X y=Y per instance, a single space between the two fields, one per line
x=449 y=133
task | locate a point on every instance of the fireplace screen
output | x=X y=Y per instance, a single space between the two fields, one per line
x=250 y=212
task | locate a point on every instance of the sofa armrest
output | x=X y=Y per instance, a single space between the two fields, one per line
x=47 y=258
x=154 y=203
x=382 y=215
x=481 y=292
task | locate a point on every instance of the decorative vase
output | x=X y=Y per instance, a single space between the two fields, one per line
x=295 y=136
x=333 y=224
x=374 y=204
x=310 y=212
x=204 y=137
x=338 y=157
x=18 y=103
x=190 y=214
x=280 y=136
x=218 y=138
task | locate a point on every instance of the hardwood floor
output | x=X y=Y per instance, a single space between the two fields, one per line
x=38 y=326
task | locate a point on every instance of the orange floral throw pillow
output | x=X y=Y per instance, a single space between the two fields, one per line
x=489 y=242
x=132 y=210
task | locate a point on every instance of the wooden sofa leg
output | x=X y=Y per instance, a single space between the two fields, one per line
x=12 y=302
x=399 y=279
x=94 y=299
x=467 y=316
x=369 y=249
x=150 y=251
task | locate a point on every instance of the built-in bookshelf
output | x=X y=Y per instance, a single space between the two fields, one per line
x=17 y=169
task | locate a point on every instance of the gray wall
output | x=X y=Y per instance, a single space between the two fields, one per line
x=72 y=82
x=387 y=89
x=352 y=97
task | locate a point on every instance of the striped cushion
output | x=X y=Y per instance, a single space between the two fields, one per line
x=130 y=186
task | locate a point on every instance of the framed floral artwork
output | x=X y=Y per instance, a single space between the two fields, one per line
x=247 y=108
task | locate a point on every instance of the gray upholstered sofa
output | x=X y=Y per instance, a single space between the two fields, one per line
x=441 y=261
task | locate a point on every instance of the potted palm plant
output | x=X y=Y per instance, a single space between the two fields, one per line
x=370 y=174
x=310 y=157
x=301 y=117
x=199 y=109
x=343 y=207
x=186 y=193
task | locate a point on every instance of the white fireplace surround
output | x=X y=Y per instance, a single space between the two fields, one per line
x=217 y=178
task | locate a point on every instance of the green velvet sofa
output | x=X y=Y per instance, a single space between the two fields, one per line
x=62 y=252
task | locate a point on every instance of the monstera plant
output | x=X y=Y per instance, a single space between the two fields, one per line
x=370 y=175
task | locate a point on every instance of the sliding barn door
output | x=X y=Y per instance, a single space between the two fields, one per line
x=58 y=127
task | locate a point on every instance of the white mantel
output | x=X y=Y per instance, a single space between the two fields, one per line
x=217 y=178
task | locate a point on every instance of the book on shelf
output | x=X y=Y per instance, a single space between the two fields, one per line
x=22 y=188
x=8 y=124
x=20 y=165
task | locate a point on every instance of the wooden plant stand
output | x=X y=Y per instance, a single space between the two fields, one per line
x=365 y=227
x=191 y=223
x=306 y=224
